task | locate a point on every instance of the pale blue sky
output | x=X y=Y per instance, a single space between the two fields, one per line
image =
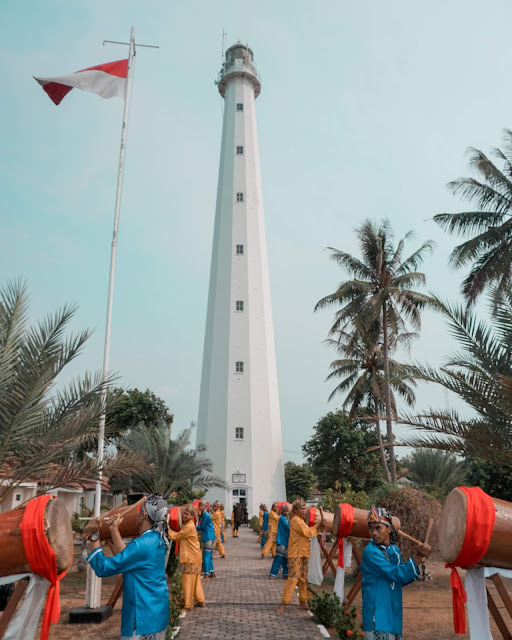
x=366 y=110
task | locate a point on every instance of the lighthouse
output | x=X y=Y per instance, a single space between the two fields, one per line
x=239 y=418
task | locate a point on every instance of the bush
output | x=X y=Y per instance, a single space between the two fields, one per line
x=254 y=523
x=413 y=508
x=175 y=602
x=344 y=493
x=172 y=563
x=326 y=608
x=347 y=624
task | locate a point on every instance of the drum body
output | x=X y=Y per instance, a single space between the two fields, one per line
x=129 y=527
x=360 y=526
x=58 y=532
x=453 y=531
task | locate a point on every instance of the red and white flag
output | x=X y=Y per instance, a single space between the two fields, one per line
x=107 y=80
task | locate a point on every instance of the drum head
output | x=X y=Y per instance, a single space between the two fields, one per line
x=59 y=533
x=337 y=520
x=452 y=526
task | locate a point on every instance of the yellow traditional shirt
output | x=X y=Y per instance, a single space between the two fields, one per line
x=300 y=533
x=190 y=551
x=216 y=519
x=273 y=521
x=260 y=519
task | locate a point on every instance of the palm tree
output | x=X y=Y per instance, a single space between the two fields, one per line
x=173 y=465
x=380 y=294
x=361 y=369
x=480 y=373
x=42 y=425
x=435 y=471
x=489 y=249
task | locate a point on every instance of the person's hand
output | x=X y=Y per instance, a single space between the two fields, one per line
x=320 y=526
x=424 y=550
x=92 y=527
x=115 y=522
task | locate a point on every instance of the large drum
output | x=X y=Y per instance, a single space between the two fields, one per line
x=58 y=532
x=454 y=532
x=360 y=526
x=129 y=527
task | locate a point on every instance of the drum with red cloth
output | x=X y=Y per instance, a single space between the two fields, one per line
x=359 y=527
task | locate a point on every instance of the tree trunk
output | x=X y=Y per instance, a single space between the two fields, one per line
x=379 y=440
x=387 y=391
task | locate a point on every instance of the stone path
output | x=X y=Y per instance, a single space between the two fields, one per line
x=242 y=601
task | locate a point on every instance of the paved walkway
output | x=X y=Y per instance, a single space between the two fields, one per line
x=242 y=601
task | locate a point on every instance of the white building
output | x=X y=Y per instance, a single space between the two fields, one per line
x=239 y=419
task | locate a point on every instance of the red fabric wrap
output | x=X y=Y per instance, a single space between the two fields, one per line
x=174 y=522
x=311 y=516
x=346 y=524
x=41 y=558
x=278 y=505
x=480 y=518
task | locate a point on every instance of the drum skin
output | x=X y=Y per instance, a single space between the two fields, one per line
x=58 y=532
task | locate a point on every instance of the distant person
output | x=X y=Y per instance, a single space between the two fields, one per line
x=217 y=527
x=384 y=574
x=205 y=527
x=298 y=556
x=236 y=519
x=190 y=559
x=145 y=611
x=273 y=520
x=260 y=523
x=245 y=515
x=264 y=529
x=223 y=524
x=283 y=534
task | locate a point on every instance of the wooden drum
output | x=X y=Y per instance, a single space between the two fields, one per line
x=453 y=531
x=58 y=532
x=360 y=526
x=129 y=527
x=328 y=518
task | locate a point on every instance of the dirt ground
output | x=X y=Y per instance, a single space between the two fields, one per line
x=427 y=607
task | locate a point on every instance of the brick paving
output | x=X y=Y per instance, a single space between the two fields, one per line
x=242 y=601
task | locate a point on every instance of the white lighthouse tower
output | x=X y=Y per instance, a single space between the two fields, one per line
x=239 y=418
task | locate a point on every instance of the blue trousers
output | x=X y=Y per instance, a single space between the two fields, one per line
x=208 y=563
x=264 y=535
x=279 y=561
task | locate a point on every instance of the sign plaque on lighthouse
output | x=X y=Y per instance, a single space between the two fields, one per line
x=239 y=419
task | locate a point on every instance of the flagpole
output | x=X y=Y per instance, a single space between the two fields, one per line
x=94 y=590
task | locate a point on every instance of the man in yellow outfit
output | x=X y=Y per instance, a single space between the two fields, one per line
x=217 y=527
x=298 y=556
x=222 y=524
x=260 y=523
x=273 y=521
x=191 y=560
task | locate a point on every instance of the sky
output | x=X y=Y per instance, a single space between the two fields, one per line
x=366 y=111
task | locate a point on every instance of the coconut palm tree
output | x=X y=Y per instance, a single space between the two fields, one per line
x=381 y=293
x=43 y=423
x=489 y=248
x=173 y=465
x=480 y=373
x=361 y=369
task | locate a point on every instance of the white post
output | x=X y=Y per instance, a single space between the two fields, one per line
x=93 y=593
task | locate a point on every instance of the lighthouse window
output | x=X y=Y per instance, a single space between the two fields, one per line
x=239 y=305
x=239 y=197
x=239 y=367
x=240 y=249
x=239 y=151
x=239 y=433
x=239 y=106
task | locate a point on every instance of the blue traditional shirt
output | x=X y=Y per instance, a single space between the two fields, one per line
x=384 y=574
x=145 y=594
x=205 y=526
x=283 y=531
x=265 y=520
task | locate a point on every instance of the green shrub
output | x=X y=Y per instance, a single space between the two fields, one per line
x=326 y=608
x=344 y=493
x=172 y=562
x=175 y=602
x=254 y=524
x=347 y=624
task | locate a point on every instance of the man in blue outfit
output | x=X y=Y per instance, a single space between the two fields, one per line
x=264 y=528
x=384 y=574
x=205 y=527
x=145 y=611
x=283 y=533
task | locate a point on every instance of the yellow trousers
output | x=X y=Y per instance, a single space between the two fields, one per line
x=270 y=545
x=192 y=589
x=220 y=548
x=259 y=535
x=289 y=590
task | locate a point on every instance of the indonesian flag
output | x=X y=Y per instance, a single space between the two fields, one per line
x=107 y=80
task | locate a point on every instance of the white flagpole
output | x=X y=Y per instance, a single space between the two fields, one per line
x=94 y=588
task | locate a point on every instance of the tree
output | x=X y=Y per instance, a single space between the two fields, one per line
x=362 y=372
x=380 y=300
x=492 y=478
x=174 y=466
x=337 y=452
x=138 y=409
x=299 y=481
x=489 y=250
x=42 y=422
x=435 y=471
x=480 y=373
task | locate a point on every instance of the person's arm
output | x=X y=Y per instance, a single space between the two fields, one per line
x=133 y=557
x=375 y=563
x=117 y=540
x=308 y=532
x=183 y=534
